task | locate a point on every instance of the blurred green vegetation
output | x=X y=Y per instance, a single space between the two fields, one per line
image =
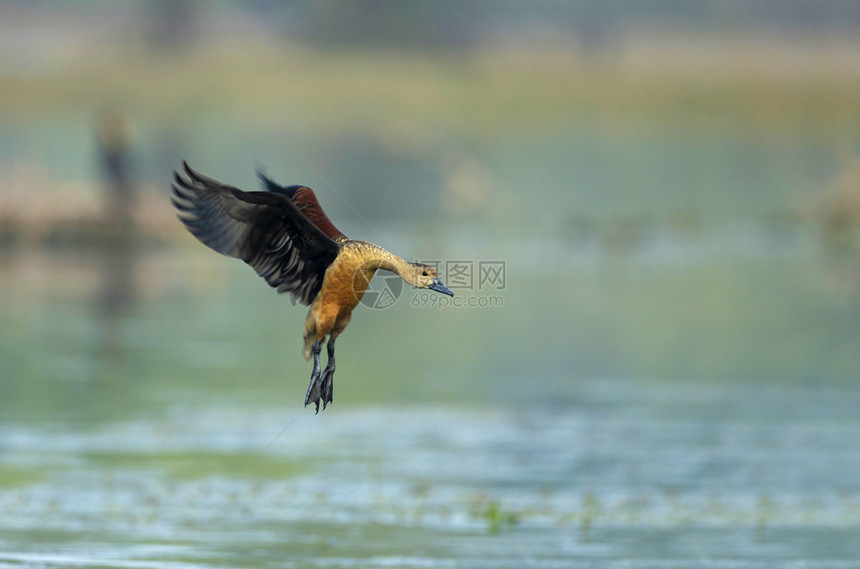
x=475 y=93
x=185 y=465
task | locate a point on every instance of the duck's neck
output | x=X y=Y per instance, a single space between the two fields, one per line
x=370 y=258
x=376 y=257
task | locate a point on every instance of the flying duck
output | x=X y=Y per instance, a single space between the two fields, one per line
x=284 y=235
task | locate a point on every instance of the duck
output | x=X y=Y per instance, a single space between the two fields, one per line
x=283 y=233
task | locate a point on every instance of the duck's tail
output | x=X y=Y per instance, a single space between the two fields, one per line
x=309 y=343
x=309 y=336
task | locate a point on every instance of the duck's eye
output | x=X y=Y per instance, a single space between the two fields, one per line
x=423 y=273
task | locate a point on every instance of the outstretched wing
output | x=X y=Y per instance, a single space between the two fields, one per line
x=264 y=229
x=306 y=202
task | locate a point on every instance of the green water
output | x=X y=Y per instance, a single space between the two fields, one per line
x=667 y=377
x=164 y=428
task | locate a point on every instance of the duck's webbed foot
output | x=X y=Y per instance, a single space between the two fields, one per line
x=313 y=393
x=327 y=387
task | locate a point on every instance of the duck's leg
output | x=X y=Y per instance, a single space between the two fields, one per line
x=327 y=388
x=314 y=387
x=328 y=374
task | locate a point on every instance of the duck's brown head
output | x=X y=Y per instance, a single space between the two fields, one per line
x=424 y=276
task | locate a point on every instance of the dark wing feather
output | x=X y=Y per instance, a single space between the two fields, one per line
x=272 y=186
x=306 y=202
x=264 y=229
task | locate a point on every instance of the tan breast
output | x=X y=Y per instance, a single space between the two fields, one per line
x=346 y=281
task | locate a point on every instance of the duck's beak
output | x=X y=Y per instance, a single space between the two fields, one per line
x=439 y=287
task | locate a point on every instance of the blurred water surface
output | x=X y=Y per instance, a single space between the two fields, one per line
x=165 y=427
x=628 y=474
